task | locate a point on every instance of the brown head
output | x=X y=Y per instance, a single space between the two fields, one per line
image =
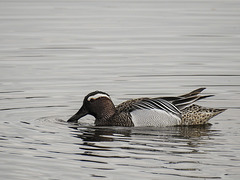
x=97 y=104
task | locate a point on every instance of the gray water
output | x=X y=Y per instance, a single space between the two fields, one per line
x=52 y=53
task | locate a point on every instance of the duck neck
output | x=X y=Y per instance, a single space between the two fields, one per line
x=105 y=114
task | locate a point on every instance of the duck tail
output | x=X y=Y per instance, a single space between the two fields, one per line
x=182 y=103
x=189 y=98
x=193 y=93
x=198 y=115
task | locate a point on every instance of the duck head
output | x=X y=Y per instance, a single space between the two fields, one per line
x=97 y=104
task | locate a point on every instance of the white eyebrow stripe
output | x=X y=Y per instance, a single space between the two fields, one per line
x=96 y=96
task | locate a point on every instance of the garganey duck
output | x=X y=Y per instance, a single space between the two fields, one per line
x=157 y=112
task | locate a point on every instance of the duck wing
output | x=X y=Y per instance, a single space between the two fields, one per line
x=148 y=103
x=171 y=104
x=156 y=104
x=186 y=99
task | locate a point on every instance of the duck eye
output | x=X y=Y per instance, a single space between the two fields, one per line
x=91 y=100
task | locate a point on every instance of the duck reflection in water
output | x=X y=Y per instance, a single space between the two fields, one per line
x=97 y=134
x=100 y=133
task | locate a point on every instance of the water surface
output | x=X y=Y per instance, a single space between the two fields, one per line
x=53 y=53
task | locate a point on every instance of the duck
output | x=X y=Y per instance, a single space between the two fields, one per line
x=150 y=112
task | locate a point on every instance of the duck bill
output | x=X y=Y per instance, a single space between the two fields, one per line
x=82 y=112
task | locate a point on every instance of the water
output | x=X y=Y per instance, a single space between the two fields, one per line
x=53 y=53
